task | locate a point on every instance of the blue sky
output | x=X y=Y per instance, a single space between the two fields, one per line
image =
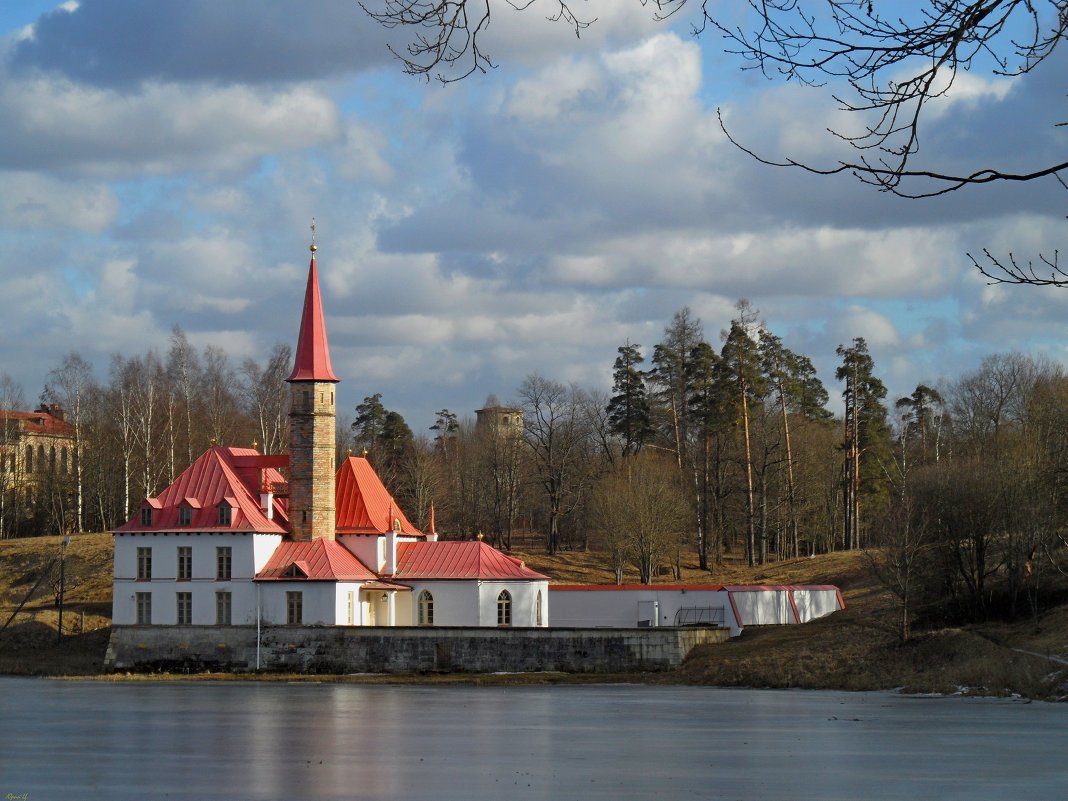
x=160 y=165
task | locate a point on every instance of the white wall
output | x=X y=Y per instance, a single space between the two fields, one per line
x=365 y=547
x=249 y=553
x=523 y=594
x=319 y=601
x=614 y=607
x=455 y=602
x=474 y=603
x=817 y=602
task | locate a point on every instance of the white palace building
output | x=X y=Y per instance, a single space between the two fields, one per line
x=231 y=542
x=235 y=567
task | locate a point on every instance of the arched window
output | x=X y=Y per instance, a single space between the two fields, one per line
x=426 y=608
x=40 y=458
x=63 y=460
x=504 y=609
x=29 y=458
x=52 y=460
x=537 y=610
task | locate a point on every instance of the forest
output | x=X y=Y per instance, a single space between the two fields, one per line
x=706 y=447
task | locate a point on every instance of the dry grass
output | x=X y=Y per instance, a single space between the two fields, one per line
x=856 y=649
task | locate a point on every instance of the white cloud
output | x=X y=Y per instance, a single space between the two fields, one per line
x=161 y=129
x=33 y=200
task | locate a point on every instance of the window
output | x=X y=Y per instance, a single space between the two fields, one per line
x=144 y=608
x=225 y=514
x=144 y=564
x=537 y=609
x=146 y=516
x=63 y=460
x=504 y=609
x=294 y=608
x=185 y=563
x=29 y=458
x=185 y=515
x=222 y=609
x=426 y=608
x=223 y=561
x=352 y=608
x=185 y=608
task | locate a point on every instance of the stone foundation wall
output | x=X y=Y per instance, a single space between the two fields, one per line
x=312 y=649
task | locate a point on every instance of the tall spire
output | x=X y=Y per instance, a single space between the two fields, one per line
x=312 y=362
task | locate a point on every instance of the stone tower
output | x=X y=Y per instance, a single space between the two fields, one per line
x=312 y=422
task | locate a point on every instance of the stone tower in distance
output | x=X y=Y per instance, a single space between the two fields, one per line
x=312 y=422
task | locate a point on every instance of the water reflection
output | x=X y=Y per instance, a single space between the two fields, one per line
x=276 y=741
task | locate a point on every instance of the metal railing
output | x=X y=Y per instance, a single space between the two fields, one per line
x=700 y=616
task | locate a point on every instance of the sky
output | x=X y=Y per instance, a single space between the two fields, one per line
x=160 y=165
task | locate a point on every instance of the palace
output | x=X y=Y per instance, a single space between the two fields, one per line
x=232 y=542
x=34 y=445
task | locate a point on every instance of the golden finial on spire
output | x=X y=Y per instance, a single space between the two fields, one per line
x=314 y=247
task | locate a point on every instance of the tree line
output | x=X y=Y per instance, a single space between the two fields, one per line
x=700 y=450
x=134 y=433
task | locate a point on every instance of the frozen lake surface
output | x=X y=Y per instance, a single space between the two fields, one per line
x=195 y=740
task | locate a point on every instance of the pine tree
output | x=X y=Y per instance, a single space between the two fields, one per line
x=707 y=408
x=740 y=364
x=866 y=438
x=798 y=390
x=628 y=409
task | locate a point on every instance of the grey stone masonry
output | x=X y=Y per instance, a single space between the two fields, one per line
x=329 y=649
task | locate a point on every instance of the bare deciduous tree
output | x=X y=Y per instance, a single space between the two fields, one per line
x=641 y=512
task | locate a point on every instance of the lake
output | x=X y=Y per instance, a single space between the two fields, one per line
x=249 y=740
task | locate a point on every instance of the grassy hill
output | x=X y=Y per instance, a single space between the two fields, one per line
x=856 y=649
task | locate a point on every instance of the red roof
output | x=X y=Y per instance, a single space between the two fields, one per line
x=230 y=476
x=362 y=502
x=312 y=362
x=318 y=560
x=466 y=559
x=39 y=422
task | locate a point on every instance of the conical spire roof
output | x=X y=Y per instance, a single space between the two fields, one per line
x=313 y=351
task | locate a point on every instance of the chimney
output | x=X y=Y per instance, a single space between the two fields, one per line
x=390 y=568
x=432 y=534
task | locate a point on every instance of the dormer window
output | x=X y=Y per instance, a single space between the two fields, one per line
x=297 y=570
x=185 y=515
x=226 y=513
x=146 y=516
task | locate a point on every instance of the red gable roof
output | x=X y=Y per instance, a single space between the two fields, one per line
x=220 y=476
x=362 y=502
x=312 y=362
x=458 y=560
x=318 y=560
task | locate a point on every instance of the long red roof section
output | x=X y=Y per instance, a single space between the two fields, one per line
x=312 y=362
x=463 y=559
x=318 y=560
